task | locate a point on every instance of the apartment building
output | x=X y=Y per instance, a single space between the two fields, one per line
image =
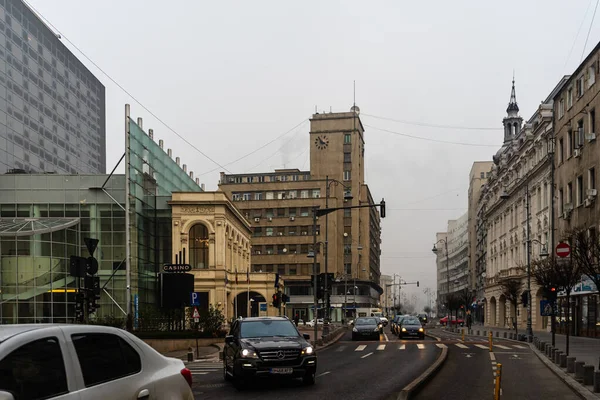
x=279 y=206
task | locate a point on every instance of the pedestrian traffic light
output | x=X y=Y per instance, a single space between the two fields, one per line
x=276 y=300
x=285 y=298
x=382 y=208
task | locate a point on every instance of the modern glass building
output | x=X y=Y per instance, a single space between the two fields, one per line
x=52 y=108
x=44 y=219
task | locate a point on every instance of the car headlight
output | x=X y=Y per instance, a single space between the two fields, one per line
x=354 y=330
x=246 y=353
x=307 y=350
x=420 y=329
x=403 y=329
x=379 y=326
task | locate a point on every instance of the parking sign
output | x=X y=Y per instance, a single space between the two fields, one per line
x=194 y=299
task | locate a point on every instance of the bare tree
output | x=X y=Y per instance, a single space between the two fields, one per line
x=555 y=275
x=511 y=289
x=427 y=310
x=585 y=252
x=453 y=304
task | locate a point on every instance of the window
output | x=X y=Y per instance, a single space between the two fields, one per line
x=579 y=190
x=316 y=193
x=247 y=196
x=295 y=177
x=261 y=178
x=570 y=97
x=105 y=357
x=592 y=126
x=579 y=87
x=570 y=142
x=292 y=194
x=570 y=193
x=561 y=150
x=281 y=212
x=198 y=243
x=281 y=195
x=292 y=212
x=258 y=196
x=269 y=231
x=270 y=196
x=580 y=133
x=591 y=78
x=592 y=178
x=35 y=370
x=292 y=270
x=347 y=175
x=304 y=194
x=348 y=268
x=347 y=157
x=304 y=212
x=236 y=197
x=561 y=108
x=347 y=138
x=482 y=175
x=561 y=201
x=545 y=200
x=539 y=199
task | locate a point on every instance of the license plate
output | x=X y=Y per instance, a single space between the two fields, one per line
x=282 y=371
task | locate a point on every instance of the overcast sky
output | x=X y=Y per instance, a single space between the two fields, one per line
x=231 y=76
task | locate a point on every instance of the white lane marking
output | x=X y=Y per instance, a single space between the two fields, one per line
x=493 y=357
x=386 y=338
x=519 y=346
x=402 y=347
x=420 y=346
x=502 y=347
x=341 y=348
x=361 y=347
x=441 y=345
x=482 y=346
x=324 y=373
x=494 y=367
x=381 y=347
x=199 y=373
x=462 y=346
x=367 y=355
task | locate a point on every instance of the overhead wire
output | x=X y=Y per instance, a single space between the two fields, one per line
x=589 y=31
x=577 y=35
x=430 y=139
x=62 y=36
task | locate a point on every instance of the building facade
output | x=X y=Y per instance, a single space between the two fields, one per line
x=279 y=207
x=577 y=158
x=387 y=299
x=52 y=108
x=518 y=190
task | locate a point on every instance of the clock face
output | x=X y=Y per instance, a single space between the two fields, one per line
x=321 y=142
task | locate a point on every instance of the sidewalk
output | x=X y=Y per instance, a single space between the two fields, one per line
x=204 y=353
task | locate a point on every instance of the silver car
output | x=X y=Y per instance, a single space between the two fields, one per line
x=87 y=362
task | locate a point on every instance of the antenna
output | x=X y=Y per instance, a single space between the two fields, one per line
x=354 y=101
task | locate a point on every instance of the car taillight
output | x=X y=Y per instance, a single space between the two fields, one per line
x=187 y=374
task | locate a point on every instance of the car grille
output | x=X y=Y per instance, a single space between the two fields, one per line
x=279 y=355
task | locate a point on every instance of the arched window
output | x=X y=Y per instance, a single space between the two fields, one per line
x=198 y=246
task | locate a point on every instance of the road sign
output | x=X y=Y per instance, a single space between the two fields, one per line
x=194 y=299
x=196 y=315
x=91 y=244
x=563 y=250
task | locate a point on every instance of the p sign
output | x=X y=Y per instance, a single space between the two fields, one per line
x=194 y=299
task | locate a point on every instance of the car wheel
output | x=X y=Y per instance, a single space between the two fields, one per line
x=309 y=379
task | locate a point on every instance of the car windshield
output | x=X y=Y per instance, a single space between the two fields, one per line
x=267 y=328
x=366 y=321
x=411 y=321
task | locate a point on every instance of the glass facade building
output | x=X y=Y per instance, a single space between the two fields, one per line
x=44 y=219
x=52 y=108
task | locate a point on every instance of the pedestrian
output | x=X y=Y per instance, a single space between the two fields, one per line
x=296 y=319
x=469 y=321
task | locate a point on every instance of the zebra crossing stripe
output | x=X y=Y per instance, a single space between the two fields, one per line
x=441 y=345
x=482 y=346
x=402 y=347
x=519 y=346
x=361 y=347
x=462 y=346
x=381 y=347
x=420 y=346
x=502 y=347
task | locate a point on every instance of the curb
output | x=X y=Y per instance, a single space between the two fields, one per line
x=580 y=390
x=333 y=341
x=485 y=337
x=422 y=379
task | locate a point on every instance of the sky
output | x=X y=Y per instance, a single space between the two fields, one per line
x=228 y=78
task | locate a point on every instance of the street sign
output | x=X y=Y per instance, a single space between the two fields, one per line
x=91 y=244
x=196 y=315
x=194 y=299
x=563 y=250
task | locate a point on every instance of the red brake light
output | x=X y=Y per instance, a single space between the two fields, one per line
x=187 y=374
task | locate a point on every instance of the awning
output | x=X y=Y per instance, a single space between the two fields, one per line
x=11 y=227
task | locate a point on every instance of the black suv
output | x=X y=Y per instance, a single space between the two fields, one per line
x=267 y=347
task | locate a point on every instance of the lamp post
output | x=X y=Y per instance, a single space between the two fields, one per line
x=347 y=196
x=435 y=250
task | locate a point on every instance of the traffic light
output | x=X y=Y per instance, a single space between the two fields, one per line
x=285 y=298
x=417 y=283
x=276 y=301
x=382 y=208
x=79 y=302
x=320 y=286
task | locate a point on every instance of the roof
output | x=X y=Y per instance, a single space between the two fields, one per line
x=10 y=330
x=265 y=319
x=11 y=227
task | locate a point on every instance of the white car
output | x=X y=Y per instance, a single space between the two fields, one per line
x=86 y=362
x=311 y=323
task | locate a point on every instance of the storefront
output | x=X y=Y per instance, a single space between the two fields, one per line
x=582 y=311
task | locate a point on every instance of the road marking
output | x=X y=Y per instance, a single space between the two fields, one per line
x=324 y=373
x=441 y=346
x=381 y=347
x=492 y=357
x=420 y=346
x=402 y=347
x=502 y=347
x=386 y=338
x=519 y=346
x=482 y=346
x=341 y=348
x=361 y=347
x=462 y=346
x=367 y=355
x=494 y=367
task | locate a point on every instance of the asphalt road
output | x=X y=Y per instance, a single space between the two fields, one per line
x=468 y=372
x=350 y=370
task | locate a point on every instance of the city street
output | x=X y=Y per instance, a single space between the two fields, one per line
x=349 y=370
x=469 y=368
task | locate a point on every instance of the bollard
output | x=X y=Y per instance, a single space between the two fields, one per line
x=547 y=349
x=491 y=342
x=556 y=359
x=563 y=360
x=498 y=382
x=596 y=381
x=541 y=345
x=588 y=375
x=190 y=356
x=553 y=353
x=571 y=365
x=579 y=370
x=463 y=334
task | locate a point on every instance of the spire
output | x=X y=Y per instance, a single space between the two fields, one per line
x=513 y=108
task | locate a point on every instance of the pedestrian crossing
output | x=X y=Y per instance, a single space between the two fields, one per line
x=204 y=367
x=372 y=348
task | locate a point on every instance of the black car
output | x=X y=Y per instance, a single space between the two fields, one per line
x=267 y=347
x=366 y=328
x=411 y=327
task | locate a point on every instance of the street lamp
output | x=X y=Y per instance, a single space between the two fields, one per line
x=435 y=250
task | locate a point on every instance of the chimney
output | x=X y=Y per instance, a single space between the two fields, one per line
x=192 y=174
x=139 y=122
x=170 y=153
x=198 y=181
x=185 y=168
x=151 y=133
x=203 y=187
x=161 y=143
x=177 y=160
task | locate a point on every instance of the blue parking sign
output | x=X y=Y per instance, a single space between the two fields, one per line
x=194 y=299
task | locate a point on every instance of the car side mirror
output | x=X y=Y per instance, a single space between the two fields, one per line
x=229 y=339
x=6 y=396
x=306 y=336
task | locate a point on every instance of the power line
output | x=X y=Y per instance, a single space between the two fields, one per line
x=589 y=30
x=260 y=148
x=473 y=128
x=429 y=139
x=62 y=36
x=577 y=35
